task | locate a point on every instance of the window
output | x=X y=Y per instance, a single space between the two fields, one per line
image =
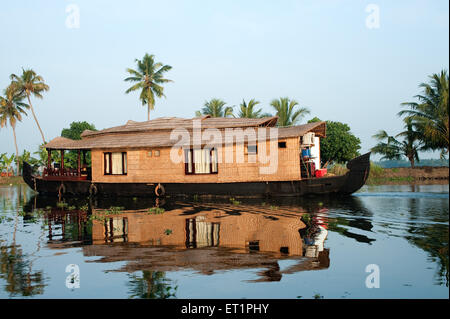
x=156 y=153
x=201 y=161
x=115 y=163
x=253 y=245
x=281 y=144
x=252 y=149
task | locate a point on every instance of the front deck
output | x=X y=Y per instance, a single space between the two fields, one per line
x=61 y=173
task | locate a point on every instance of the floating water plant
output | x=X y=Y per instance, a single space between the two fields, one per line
x=156 y=210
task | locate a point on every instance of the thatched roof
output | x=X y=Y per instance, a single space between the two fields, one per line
x=170 y=123
x=158 y=134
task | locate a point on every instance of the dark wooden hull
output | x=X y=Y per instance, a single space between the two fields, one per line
x=347 y=184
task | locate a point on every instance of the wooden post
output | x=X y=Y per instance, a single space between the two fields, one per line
x=62 y=159
x=79 y=163
x=49 y=158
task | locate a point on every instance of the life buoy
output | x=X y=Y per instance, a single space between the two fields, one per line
x=93 y=189
x=159 y=190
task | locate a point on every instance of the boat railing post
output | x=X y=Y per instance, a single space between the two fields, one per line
x=79 y=164
x=62 y=163
x=49 y=161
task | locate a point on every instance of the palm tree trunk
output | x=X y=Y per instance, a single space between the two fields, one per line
x=411 y=160
x=17 y=149
x=149 y=103
x=34 y=115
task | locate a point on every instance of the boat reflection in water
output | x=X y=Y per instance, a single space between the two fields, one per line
x=202 y=236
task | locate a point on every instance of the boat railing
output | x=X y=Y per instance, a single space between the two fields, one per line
x=65 y=173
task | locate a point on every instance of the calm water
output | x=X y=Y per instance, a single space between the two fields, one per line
x=136 y=248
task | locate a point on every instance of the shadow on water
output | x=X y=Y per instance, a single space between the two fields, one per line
x=153 y=237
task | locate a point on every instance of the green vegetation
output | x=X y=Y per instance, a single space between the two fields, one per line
x=152 y=285
x=12 y=106
x=430 y=115
x=62 y=204
x=340 y=145
x=378 y=175
x=75 y=130
x=74 y=133
x=215 y=108
x=426 y=124
x=148 y=77
x=337 y=169
x=287 y=112
x=375 y=170
x=234 y=201
x=11 y=110
x=248 y=111
x=6 y=163
x=156 y=210
x=103 y=215
x=392 y=149
x=423 y=162
x=29 y=83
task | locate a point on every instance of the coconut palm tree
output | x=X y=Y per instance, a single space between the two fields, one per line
x=30 y=83
x=392 y=149
x=287 y=113
x=215 y=108
x=11 y=109
x=430 y=115
x=148 y=77
x=248 y=111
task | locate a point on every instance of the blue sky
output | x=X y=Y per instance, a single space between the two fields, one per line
x=320 y=53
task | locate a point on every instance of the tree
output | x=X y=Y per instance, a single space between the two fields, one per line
x=7 y=161
x=42 y=153
x=11 y=110
x=76 y=128
x=286 y=111
x=74 y=133
x=26 y=157
x=215 y=108
x=392 y=149
x=248 y=111
x=340 y=145
x=152 y=285
x=149 y=76
x=30 y=83
x=430 y=115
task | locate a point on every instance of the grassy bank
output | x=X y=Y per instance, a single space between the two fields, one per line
x=400 y=175
x=11 y=180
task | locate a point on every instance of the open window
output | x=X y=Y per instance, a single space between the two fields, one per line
x=201 y=161
x=115 y=163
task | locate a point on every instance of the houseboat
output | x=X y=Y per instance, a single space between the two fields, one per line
x=172 y=156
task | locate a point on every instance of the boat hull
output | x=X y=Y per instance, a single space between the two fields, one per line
x=346 y=184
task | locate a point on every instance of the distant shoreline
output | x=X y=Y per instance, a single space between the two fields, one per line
x=408 y=175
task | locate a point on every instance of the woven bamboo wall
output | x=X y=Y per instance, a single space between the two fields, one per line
x=233 y=231
x=143 y=168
